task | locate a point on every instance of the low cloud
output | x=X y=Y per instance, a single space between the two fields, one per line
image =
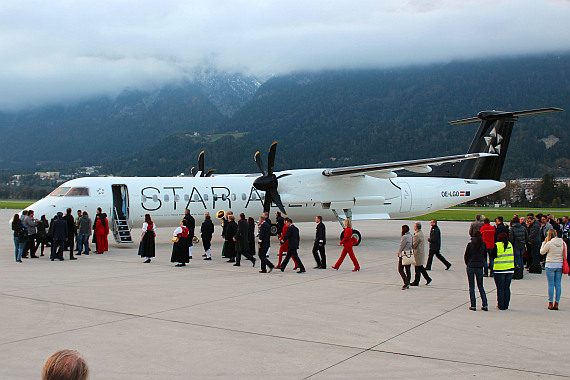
x=63 y=51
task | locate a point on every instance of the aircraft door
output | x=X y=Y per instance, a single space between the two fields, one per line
x=406 y=196
x=121 y=201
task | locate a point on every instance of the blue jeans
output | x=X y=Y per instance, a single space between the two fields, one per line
x=472 y=274
x=518 y=257
x=554 y=277
x=503 y=283
x=82 y=241
x=19 y=248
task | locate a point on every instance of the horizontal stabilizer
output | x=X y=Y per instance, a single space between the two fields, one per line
x=493 y=115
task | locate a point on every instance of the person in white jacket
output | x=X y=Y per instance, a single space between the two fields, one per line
x=555 y=250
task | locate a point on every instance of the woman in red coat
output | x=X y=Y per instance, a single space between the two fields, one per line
x=347 y=243
x=106 y=248
x=100 y=231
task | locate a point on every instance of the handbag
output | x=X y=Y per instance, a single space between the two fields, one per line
x=175 y=239
x=23 y=234
x=408 y=258
x=565 y=266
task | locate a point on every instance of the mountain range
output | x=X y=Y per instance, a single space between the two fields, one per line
x=321 y=119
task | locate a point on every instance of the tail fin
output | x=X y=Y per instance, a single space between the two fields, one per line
x=493 y=136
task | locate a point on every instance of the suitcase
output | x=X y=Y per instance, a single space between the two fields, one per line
x=535 y=269
x=519 y=273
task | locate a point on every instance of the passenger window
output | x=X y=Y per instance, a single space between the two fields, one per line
x=60 y=191
x=205 y=197
x=176 y=198
x=233 y=197
x=78 y=192
x=166 y=197
x=243 y=197
x=186 y=197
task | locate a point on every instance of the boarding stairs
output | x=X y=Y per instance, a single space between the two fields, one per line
x=121 y=229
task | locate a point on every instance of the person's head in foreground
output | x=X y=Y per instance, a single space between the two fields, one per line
x=65 y=365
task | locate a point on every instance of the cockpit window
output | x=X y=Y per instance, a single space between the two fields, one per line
x=70 y=192
x=60 y=191
x=78 y=192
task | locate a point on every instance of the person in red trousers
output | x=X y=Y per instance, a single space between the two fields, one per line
x=100 y=232
x=347 y=247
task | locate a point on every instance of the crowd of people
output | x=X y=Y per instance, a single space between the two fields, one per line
x=240 y=240
x=62 y=233
x=500 y=251
x=540 y=242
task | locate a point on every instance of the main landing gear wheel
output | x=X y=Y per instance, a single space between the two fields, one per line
x=274 y=230
x=355 y=234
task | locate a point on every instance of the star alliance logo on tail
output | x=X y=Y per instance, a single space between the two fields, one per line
x=493 y=142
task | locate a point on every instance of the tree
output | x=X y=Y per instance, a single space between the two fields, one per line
x=547 y=189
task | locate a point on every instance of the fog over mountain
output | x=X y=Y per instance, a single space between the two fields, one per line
x=61 y=52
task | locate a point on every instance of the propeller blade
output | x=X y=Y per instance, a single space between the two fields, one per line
x=192 y=171
x=267 y=202
x=271 y=158
x=283 y=175
x=277 y=201
x=201 y=164
x=210 y=172
x=259 y=163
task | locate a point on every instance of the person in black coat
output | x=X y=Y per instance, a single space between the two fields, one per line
x=206 y=232
x=42 y=238
x=251 y=235
x=319 y=244
x=435 y=246
x=231 y=231
x=60 y=236
x=70 y=242
x=292 y=236
x=264 y=244
x=191 y=225
x=280 y=222
x=180 y=248
x=500 y=227
x=475 y=260
x=241 y=239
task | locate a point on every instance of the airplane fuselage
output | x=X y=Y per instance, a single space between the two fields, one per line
x=305 y=194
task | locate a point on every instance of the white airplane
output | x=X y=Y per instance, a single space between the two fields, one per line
x=356 y=192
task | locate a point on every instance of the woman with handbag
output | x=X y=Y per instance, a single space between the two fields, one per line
x=405 y=256
x=556 y=253
x=347 y=244
x=180 y=248
x=475 y=260
x=147 y=247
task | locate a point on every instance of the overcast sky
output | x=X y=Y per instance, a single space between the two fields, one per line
x=58 y=51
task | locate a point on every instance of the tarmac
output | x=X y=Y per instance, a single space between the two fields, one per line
x=211 y=319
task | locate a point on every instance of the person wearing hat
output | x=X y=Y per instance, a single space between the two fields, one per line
x=60 y=235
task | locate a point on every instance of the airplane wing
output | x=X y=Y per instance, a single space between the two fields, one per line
x=386 y=170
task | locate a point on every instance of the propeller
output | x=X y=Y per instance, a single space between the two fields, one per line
x=201 y=166
x=268 y=182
